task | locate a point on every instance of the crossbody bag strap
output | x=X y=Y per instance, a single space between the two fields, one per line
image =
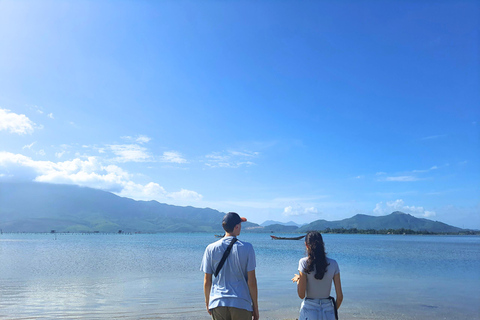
x=225 y=255
x=334 y=306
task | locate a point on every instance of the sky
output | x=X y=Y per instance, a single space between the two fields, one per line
x=278 y=110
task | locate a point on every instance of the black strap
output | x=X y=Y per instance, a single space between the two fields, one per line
x=334 y=306
x=225 y=255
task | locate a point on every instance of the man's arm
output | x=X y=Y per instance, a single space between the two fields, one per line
x=207 y=286
x=252 y=287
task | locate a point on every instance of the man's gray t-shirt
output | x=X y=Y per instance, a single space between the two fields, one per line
x=319 y=289
x=229 y=288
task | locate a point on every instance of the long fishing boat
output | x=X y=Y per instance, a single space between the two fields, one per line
x=286 y=238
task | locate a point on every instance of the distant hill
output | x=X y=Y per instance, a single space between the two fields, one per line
x=270 y=222
x=395 y=220
x=42 y=207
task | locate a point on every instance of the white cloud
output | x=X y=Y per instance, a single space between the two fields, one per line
x=434 y=137
x=29 y=146
x=130 y=153
x=288 y=211
x=311 y=210
x=230 y=159
x=402 y=178
x=173 y=156
x=399 y=205
x=153 y=191
x=60 y=154
x=36 y=108
x=379 y=209
x=138 y=139
x=15 y=123
x=39 y=110
x=143 y=139
x=149 y=191
x=298 y=210
x=432 y=168
x=409 y=176
x=184 y=194
x=90 y=172
x=244 y=153
x=429 y=214
x=277 y=203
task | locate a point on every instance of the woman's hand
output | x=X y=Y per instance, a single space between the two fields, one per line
x=296 y=278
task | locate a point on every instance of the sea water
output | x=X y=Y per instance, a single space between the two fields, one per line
x=157 y=276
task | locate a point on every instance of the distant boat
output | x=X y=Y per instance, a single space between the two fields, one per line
x=219 y=235
x=285 y=238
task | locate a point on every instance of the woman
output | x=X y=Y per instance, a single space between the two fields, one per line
x=314 y=281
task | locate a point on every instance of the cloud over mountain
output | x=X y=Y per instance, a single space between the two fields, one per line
x=90 y=172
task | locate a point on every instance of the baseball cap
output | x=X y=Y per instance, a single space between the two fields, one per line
x=231 y=219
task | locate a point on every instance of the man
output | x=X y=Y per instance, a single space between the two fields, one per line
x=232 y=294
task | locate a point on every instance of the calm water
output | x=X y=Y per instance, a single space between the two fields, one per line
x=43 y=276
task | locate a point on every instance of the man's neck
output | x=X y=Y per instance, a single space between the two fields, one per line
x=228 y=234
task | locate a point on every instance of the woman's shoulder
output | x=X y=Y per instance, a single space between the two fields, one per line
x=333 y=265
x=304 y=259
x=303 y=262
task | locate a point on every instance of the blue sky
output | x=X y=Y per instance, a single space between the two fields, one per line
x=280 y=110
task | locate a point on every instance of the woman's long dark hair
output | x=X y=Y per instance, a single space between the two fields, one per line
x=317 y=258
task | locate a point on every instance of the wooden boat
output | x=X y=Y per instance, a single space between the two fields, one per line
x=285 y=238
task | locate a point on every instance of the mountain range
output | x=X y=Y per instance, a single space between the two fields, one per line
x=41 y=207
x=395 y=220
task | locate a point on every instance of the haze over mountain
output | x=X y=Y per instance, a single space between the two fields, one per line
x=41 y=207
x=289 y=223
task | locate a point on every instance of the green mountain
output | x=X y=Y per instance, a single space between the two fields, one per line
x=395 y=220
x=41 y=207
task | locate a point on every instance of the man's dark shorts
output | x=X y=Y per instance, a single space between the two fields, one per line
x=231 y=313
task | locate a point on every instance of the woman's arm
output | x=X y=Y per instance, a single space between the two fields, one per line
x=301 y=285
x=338 y=289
